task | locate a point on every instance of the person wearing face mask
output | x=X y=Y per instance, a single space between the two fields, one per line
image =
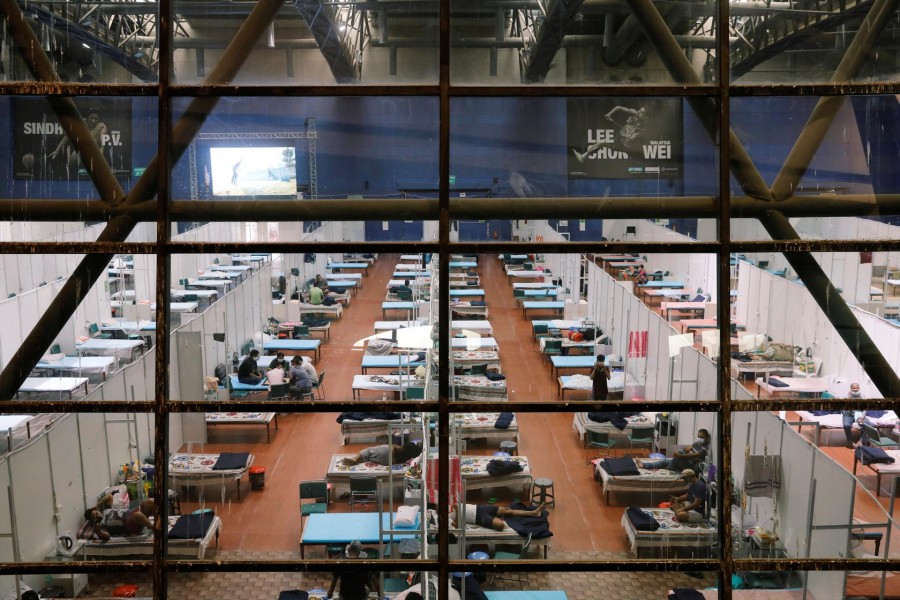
x=686 y=457
x=852 y=416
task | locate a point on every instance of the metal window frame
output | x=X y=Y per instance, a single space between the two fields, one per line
x=712 y=103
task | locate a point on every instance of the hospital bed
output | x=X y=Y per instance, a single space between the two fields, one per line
x=481 y=425
x=829 y=429
x=468 y=309
x=766 y=367
x=243 y=418
x=371 y=428
x=326 y=529
x=657 y=484
x=583 y=383
x=340 y=267
x=881 y=469
x=555 y=306
x=487 y=536
x=513 y=272
x=206 y=526
x=581 y=423
x=293 y=346
x=815 y=386
x=288 y=327
x=473 y=469
x=53 y=385
x=671 y=538
x=334 y=310
x=98 y=367
x=197 y=469
x=124 y=350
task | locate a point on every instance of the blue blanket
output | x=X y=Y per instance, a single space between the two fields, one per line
x=231 y=460
x=641 y=520
x=620 y=466
x=504 y=420
x=870 y=454
x=192 y=527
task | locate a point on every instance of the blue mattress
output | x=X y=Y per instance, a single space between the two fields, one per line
x=333 y=528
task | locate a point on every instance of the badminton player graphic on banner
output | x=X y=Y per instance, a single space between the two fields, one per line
x=624 y=138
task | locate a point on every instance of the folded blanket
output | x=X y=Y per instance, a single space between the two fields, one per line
x=192 y=527
x=293 y=595
x=231 y=460
x=620 y=466
x=503 y=467
x=777 y=382
x=504 y=420
x=477 y=303
x=616 y=419
x=642 y=521
x=870 y=454
x=875 y=414
x=407 y=517
x=822 y=413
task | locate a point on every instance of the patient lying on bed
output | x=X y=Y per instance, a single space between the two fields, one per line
x=107 y=521
x=381 y=455
x=492 y=517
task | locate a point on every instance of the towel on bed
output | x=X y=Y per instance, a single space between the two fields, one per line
x=504 y=420
x=192 y=527
x=503 y=467
x=620 y=466
x=407 y=517
x=641 y=520
x=762 y=476
x=231 y=460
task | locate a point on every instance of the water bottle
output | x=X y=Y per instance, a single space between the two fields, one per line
x=48 y=581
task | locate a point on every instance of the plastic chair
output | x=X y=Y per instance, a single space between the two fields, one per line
x=515 y=576
x=480 y=369
x=553 y=347
x=541 y=330
x=414 y=393
x=363 y=490
x=301 y=332
x=874 y=438
x=405 y=295
x=598 y=440
x=94 y=332
x=641 y=436
x=311 y=395
x=279 y=391
x=518 y=294
x=317 y=491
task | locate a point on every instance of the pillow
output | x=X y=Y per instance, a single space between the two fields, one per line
x=407 y=517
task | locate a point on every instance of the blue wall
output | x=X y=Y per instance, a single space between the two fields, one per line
x=501 y=146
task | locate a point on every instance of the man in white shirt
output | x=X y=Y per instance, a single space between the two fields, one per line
x=309 y=369
x=275 y=376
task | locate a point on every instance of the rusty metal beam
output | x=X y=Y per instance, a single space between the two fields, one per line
x=93 y=265
x=826 y=109
x=37 y=61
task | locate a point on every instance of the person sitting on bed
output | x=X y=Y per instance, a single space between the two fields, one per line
x=248 y=372
x=689 y=507
x=280 y=362
x=492 y=517
x=299 y=380
x=381 y=455
x=108 y=521
x=685 y=457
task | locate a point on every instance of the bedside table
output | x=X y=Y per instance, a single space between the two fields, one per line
x=73 y=583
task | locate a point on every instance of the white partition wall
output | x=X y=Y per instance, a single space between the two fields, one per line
x=768 y=304
x=815 y=500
